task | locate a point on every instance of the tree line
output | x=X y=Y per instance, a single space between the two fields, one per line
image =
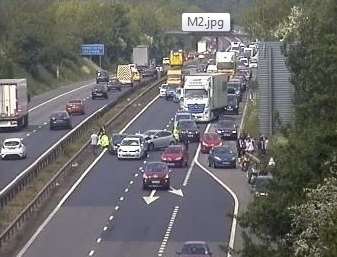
x=46 y=34
x=299 y=216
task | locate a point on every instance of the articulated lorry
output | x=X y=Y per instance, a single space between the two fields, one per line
x=226 y=63
x=205 y=95
x=13 y=103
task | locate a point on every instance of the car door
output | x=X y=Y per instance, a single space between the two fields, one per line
x=159 y=139
x=167 y=138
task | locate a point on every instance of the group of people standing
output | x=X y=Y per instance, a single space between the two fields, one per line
x=99 y=141
x=247 y=144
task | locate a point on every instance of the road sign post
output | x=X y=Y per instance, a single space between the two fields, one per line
x=93 y=50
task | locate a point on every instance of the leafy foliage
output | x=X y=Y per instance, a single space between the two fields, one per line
x=298 y=217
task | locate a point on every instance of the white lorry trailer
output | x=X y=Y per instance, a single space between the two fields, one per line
x=13 y=103
x=202 y=47
x=205 y=95
x=140 y=55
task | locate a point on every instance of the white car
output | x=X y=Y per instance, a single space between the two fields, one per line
x=162 y=90
x=159 y=68
x=253 y=62
x=166 y=61
x=13 y=148
x=132 y=148
x=244 y=61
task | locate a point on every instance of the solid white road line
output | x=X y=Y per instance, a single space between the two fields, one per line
x=168 y=232
x=243 y=115
x=52 y=214
x=57 y=97
x=236 y=204
x=21 y=174
x=76 y=184
x=189 y=172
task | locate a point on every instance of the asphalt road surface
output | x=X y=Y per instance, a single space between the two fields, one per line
x=38 y=137
x=107 y=216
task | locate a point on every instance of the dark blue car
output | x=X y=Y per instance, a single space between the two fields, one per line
x=222 y=157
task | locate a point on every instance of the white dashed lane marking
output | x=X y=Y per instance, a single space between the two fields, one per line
x=168 y=232
x=91 y=253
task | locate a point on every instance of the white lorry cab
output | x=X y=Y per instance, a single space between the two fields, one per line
x=205 y=95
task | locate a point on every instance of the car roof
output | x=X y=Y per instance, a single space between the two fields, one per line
x=12 y=139
x=131 y=138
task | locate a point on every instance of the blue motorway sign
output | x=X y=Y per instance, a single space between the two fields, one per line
x=92 y=49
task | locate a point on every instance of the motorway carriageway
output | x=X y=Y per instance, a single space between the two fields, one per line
x=38 y=138
x=106 y=214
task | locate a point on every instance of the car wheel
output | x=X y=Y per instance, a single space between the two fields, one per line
x=209 y=164
x=186 y=163
x=93 y=98
x=172 y=143
x=145 y=187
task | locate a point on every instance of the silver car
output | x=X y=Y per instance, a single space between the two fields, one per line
x=158 y=139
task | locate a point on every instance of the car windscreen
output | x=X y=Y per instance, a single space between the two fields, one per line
x=75 y=102
x=173 y=150
x=117 y=138
x=196 y=93
x=225 y=124
x=130 y=142
x=187 y=125
x=59 y=115
x=211 y=137
x=183 y=117
x=235 y=85
x=156 y=167
x=193 y=249
x=11 y=143
x=222 y=150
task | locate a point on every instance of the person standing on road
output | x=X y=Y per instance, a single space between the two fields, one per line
x=94 y=142
x=104 y=141
x=185 y=140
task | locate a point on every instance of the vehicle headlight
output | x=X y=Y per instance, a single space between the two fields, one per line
x=120 y=150
x=178 y=158
x=217 y=158
x=233 y=158
x=234 y=131
x=167 y=176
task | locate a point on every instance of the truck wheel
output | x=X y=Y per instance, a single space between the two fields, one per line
x=25 y=121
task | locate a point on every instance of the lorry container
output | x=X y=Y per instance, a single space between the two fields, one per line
x=140 y=55
x=13 y=103
x=176 y=59
x=226 y=62
x=175 y=77
x=205 y=95
x=125 y=75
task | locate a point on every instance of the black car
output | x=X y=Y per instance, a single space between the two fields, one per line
x=114 y=84
x=100 y=91
x=226 y=128
x=102 y=76
x=232 y=106
x=170 y=93
x=189 y=129
x=222 y=156
x=236 y=86
x=60 y=120
x=116 y=140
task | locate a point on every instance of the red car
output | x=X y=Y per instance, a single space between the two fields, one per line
x=175 y=155
x=210 y=140
x=75 y=107
x=156 y=174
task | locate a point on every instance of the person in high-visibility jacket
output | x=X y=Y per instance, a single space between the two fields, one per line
x=104 y=142
x=176 y=133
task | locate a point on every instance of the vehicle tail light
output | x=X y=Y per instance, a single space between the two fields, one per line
x=167 y=176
